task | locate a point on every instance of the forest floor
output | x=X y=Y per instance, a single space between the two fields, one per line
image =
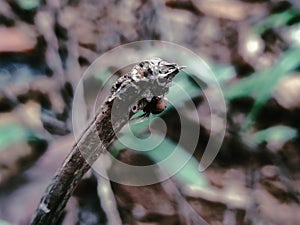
x=45 y=47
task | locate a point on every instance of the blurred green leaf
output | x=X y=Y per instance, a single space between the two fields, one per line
x=189 y=173
x=278 y=133
x=222 y=72
x=186 y=174
x=28 y=4
x=261 y=85
x=248 y=86
x=2 y=222
x=12 y=133
x=276 y=20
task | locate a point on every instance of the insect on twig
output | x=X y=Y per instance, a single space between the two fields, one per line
x=142 y=89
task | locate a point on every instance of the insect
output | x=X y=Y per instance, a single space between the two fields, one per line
x=148 y=82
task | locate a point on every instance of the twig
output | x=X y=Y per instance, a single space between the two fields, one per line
x=135 y=91
x=190 y=216
x=108 y=201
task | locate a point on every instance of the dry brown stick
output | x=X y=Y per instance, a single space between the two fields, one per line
x=140 y=89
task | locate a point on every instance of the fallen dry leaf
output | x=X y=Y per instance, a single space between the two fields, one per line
x=15 y=39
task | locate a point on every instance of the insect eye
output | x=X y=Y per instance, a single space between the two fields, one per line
x=134 y=109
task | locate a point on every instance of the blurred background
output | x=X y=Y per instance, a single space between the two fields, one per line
x=251 y=46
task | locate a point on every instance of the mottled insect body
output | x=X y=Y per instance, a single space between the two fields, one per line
x=149 y=72
x=141 y=79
